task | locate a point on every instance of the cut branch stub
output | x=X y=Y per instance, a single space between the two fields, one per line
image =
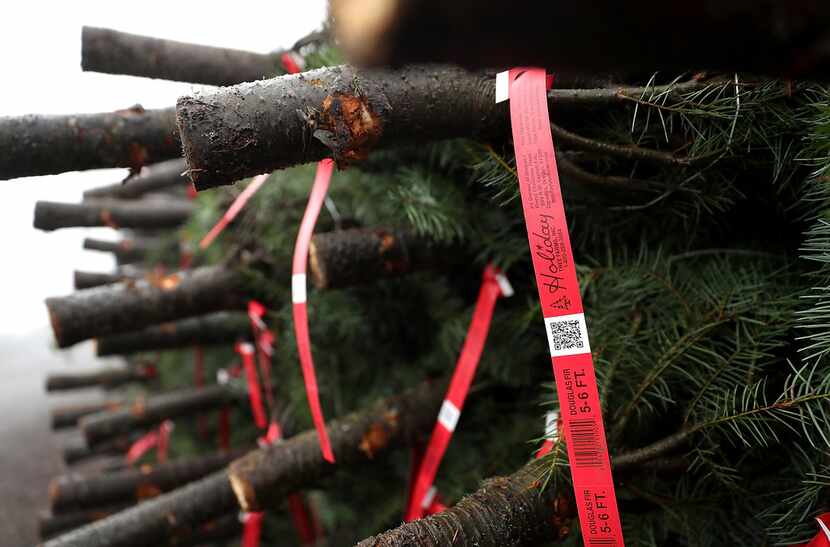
x=152 y=178
x=114 y=52
x=75 y=492
x=126 y=307
x=126 y=251
x=107 y=378
x=267 y=475
x=103 y=426
x=257 y=127
x=505 y=511
x=148 y=214
x=68 y=416
x=213 y=329
x=45 y=145
x=361 y=255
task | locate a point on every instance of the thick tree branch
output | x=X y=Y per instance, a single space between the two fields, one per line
x=149 y=214
x=341 y=112
x=114 y=52
x=106 y=378
x=103 y=426
x=76 y=492
x=212 y=329
x=126 y=251
x=152 y=178
x=46 y=145
x=360 y=255
x=267 y=475
x=78 y=450
x=505 y=511
x=127 y=307
x=68 y=416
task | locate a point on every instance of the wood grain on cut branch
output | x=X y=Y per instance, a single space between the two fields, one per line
x=69 y=415
x=46 y=145
x=114 y=52
x=112 y=309
x=143 y=413
x=505 y=511
x=106 y=378
x=346 y=113
x=268 y=475
x=212 y=329
x=75 y=492
x=781 y=38
x=361 y=255
x=152 y=178
x=149 y=214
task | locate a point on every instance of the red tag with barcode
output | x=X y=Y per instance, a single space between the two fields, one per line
x=556 y=280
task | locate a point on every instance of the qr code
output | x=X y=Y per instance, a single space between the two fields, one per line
x=567 y=335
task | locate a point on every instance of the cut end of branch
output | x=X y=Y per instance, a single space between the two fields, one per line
x=243 y=490
x=316 y=267
x=54 y=321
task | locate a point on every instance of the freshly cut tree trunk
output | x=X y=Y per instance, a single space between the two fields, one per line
x=68 y=416
x=505 y=511
x=150 y=214
x=75 y=492
x=112 y=309
x=362 y=255
x=345 y=113
x=46 y=145
x=126 y=251
x=114 y=52
x=267 y=475
x=88 y=280
x=103 y=426
x=780 y=38
x=152 y=178
x=106 y=378
x=212 y=329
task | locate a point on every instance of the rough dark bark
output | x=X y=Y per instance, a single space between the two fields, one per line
x=46 y=145
x=212 y=329
x=113 y=309
x=152 y=178
x=88 y=280
x=68 y=416
x=106 y=378
x=345 y=113
x=127 y=251
x=260 y=126
x=114 y=52
x=221 y=529
x=103 y=426
x=75 y=492
x=268 y=474
x=152 y=214
x=781 y=38
x=360 y=255
x=77 y=449
x=505 y=511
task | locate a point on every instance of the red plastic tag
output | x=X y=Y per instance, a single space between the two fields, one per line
x=822 y=538
x=298 y=297
x=252 y=529
x=291 y=62
x=246 y=351
x=141 y=446
x=556 y=280
x=233 y=210
x=423 y=493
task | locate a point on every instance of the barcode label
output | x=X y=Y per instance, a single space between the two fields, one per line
x=583 y=435
x=567 y=335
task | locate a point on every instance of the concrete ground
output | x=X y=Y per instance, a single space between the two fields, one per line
x=30 y=453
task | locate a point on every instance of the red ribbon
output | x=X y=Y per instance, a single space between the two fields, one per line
x=165 y=429
x=298 y=297
x=157 y=438
x=291 y=63
x=252 y=529
x=553 y=423
x=556 y=280
x=264 y=340
x=492 y=287
x=233 y=210
x=822 y=538
x=246 y=351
